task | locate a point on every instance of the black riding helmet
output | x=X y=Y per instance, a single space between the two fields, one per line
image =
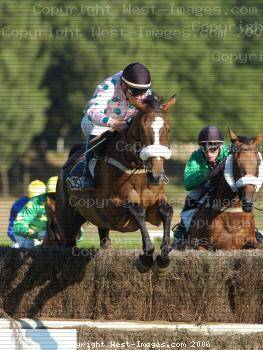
x=137 y=77
x=210 y=134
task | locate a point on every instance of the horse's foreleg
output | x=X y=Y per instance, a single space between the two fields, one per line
x=69 y=221
x=105 y=241
x=146 y=259
x=166 y=213
x=162 y=261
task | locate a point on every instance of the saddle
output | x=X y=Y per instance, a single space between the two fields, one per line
x=101 y=149
x=77 y=151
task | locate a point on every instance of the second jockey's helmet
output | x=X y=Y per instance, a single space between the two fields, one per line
x=210 y=134
x=51 y=184
x=36 y=188
x=137 y=76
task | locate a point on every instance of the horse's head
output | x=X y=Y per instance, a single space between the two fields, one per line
x=247 y=171
x=152 y=131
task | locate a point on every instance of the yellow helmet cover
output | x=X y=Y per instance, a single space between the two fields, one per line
x=35 y=188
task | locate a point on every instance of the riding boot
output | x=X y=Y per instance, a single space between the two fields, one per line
x=88 y=181
x=179 y=230
x=180 y=236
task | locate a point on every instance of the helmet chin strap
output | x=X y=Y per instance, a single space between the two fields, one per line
x=245 y=180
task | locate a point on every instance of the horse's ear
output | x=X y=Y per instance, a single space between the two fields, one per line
x=141 y=106
x=172 y=100
x=259 y=139
x=233 y=136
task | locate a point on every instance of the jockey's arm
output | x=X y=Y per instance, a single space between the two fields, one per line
x=97 y=105
x=195 y=173
x=13 y=214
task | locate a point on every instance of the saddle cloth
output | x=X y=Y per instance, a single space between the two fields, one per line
x=75 y=177
x=78 y=168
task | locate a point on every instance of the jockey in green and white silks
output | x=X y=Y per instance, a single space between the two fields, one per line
x=205 y=163
x=109 y=107
x=30 y=225
x=35 y=188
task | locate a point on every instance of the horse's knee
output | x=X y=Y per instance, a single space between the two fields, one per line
x=138 y=212
x=166 y=210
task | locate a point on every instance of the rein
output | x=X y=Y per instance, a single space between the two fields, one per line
x=123 y=168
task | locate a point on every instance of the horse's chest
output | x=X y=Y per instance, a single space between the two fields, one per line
x=149 y=197
x=144 y=197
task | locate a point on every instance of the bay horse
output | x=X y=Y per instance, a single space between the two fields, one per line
x=129 y=185
x=225 y=219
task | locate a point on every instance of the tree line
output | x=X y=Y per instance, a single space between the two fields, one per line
x=53 y=54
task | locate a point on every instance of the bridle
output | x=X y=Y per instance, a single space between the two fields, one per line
x=145 y=151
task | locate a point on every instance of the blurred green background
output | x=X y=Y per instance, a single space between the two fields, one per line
x=54 y=53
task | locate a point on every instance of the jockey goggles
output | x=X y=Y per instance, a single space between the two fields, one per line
x=210 y=147
x=136 y=92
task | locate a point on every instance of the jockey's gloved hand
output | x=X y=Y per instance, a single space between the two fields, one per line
x=117 y=125
x=128 y=121
x=207 y=185
x=220 y=167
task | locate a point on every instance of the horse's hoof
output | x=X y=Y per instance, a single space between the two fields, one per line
x=160 y=271
x=161 y=266
x=143 y=263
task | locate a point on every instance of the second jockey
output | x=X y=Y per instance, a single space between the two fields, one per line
x=204 y=165
x=109 y=107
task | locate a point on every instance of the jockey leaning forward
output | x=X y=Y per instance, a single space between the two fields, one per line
x=109 y=107
x=203 y=166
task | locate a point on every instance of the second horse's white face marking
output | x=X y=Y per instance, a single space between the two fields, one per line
x=156 y=126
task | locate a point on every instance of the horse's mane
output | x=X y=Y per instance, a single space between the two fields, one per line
x=246 y=140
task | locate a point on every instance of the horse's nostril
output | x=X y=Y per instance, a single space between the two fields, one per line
x=247 y=207
x=153 y=179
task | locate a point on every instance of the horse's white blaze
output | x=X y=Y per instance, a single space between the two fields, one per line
x=156 y=150
x=245 y=180
x=157 y=124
